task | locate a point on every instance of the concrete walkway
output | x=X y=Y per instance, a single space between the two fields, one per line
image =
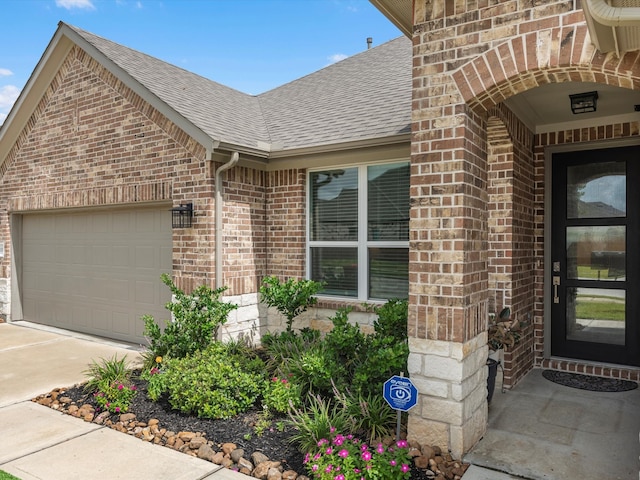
x=38 y=443
x=540 y=430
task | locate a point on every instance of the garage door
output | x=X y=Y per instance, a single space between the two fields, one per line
x=96 y=271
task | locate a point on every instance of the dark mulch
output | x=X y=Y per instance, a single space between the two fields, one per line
x=273 y=442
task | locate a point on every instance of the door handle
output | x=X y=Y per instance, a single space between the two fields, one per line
x=556 y=283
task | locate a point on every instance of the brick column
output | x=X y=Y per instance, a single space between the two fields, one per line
x=448 y=277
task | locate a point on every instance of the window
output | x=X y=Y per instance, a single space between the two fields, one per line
x=359 y=231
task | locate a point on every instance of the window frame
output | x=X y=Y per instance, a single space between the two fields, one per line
x=362 y=244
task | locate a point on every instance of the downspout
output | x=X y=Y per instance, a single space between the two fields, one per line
x=613 y=17
x=218 y=216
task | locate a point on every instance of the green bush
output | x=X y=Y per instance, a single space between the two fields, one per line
x=212 y=383
x=110 y=382
x=290 y=298
x=281 y=348
x=345 y=340
x=196 y=320
x=382 y=358
x=392 y=319
x=280 y=394
x=316 y=369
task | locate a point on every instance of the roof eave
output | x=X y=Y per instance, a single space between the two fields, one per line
x=399 y=12
x=333 y=147
x=31 y=94
x=49 y=64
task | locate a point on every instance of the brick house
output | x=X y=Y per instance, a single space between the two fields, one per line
x=104 y=141
x=448 y=166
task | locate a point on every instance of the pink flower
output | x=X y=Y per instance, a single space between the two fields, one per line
x=405 y=468
x=343 y=453
x=332 y=429
x=315 y=468
x=322 y=441
x=284 y=380
x=307 y=457
x=316 y=457
x=380 y=448
x=329 y=451
x=120 y=387
x=339 y=440
x=393 y=463
x=339 y=477
x=366 y=456
x=364 y=447
x=402 y=444
x=328 y=469
x=117 y=409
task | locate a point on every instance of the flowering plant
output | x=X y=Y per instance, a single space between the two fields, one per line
x=279 y=393
x=115 y=398
x=348 y=458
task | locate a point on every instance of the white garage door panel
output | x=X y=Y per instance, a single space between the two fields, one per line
x=97 y=271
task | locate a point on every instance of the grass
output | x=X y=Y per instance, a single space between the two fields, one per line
x=6 y=476
x=600 y=310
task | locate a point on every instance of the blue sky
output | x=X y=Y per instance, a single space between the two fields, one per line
x=250 y=45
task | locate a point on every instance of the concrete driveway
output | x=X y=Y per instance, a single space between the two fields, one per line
x=38 y=443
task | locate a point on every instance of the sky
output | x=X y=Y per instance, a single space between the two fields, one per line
x=250 y=45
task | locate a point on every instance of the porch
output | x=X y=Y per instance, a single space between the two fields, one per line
x=542 y=430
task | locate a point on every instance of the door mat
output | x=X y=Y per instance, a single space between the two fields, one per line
x=589 y=382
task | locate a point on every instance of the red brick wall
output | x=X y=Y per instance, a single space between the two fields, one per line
x=286 y=216
x=244 y=232
x=93 y=142
x=469 y=56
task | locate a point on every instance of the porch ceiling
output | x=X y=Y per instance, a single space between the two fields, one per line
x=547 y=108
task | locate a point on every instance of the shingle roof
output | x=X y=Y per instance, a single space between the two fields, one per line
x=365 y=96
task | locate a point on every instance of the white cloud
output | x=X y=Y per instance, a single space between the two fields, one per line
x=4 y=72
x=8 y=95
x=336 y=57
x=69 y=4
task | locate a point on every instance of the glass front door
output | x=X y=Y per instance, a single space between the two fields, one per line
x=595 y=260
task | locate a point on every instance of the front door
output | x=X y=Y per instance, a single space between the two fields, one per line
x=595 y=263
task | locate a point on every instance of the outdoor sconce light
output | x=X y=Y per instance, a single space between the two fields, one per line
x=584 y=102
x=181 y=216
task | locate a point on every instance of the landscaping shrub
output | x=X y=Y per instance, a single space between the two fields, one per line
x=195 y=323
x=213 y=383
x=316 y=369
x=345 y=340
x=280 y=395
x=110 y=382
x=290 y=298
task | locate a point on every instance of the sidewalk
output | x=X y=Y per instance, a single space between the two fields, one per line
x=38 y=443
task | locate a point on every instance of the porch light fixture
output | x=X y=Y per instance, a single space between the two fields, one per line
x=584 y=102
x=181 y=216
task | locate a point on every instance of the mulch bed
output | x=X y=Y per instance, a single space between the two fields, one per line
x=274 y=441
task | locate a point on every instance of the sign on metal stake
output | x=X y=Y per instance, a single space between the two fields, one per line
x=401 y=395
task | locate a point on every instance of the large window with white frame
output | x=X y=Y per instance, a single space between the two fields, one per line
x=358 y=231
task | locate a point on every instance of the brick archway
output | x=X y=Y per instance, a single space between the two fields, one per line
x=563 y=54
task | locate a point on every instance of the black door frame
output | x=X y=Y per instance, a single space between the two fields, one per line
x=629 y=355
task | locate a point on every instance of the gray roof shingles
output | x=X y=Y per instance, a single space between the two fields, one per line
x=365 y=96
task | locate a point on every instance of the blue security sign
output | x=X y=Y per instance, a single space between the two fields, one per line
x=400 y=393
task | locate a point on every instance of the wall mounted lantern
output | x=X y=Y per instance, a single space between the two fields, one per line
x=584 y=102
x=181 y=216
